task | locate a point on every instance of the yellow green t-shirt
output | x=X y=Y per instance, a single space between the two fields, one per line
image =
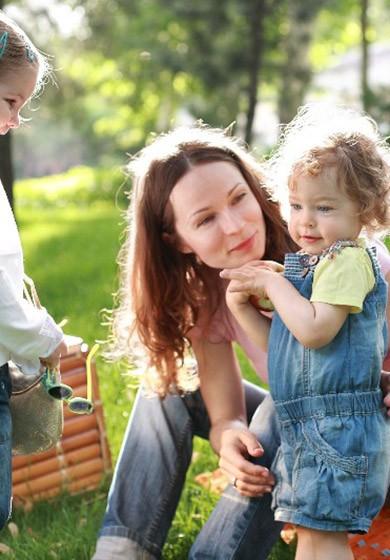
x=344 y=279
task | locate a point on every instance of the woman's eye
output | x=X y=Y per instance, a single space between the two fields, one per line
x=206 y=220
x=239 y=197
x=295 y=206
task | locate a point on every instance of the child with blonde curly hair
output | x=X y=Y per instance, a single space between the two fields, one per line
x=328 y=335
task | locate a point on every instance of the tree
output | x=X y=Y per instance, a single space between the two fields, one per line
x=366 y=93
x=256 y=17
x=296 y=71
x=6 y=169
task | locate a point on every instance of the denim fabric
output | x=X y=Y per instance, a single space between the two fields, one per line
x=150 y=474
x=243 y=528
x=5 y=447
x=333 y=465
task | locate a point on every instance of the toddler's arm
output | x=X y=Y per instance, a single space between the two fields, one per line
x=313 y=324
x=238 y=294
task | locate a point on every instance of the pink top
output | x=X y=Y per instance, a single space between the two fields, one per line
x=224 y=326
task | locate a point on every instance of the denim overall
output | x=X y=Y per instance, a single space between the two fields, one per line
x=332 y=467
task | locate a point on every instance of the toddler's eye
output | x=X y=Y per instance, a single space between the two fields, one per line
x=324 y=209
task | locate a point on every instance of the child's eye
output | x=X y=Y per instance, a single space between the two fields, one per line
x=295 y=206
x=324 y=209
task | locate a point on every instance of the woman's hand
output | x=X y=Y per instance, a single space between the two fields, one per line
x=385 y=386
x=237 y=446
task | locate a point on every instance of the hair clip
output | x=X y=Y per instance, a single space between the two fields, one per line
x=30 y=54
x=3 y=43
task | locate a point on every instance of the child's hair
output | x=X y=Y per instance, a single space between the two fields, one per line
x=18 y=51
x=322 y=136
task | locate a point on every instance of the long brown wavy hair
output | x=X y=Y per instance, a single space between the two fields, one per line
x=163 y=290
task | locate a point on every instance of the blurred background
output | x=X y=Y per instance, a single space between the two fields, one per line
x=125 y=70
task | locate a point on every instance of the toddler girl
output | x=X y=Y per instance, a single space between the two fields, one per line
x=28 y=336
x=327 y=339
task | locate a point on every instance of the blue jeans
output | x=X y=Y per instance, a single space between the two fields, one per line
x=5 y=447
x=150 y=474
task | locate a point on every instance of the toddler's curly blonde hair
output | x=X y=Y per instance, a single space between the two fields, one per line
x=323 y=136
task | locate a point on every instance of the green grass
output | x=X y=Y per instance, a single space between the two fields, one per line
x=70 y=252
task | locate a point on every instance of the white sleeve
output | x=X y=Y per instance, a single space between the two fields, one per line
x=25 y=331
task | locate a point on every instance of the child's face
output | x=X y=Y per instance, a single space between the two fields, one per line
x=16 y=88
x=320 y=212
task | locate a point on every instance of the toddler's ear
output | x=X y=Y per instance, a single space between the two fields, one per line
x=175 y=241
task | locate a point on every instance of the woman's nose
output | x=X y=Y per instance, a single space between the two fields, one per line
x=231 y=222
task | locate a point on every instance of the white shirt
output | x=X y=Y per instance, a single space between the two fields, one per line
x=26 y=333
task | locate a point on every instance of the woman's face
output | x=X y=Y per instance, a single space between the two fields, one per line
x=217 y=216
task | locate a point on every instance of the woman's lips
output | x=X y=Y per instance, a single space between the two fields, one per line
x=244 y=245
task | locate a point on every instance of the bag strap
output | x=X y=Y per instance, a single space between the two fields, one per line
x=30 y=292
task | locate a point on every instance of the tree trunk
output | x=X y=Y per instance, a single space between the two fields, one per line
x=256 y=25
x=6 y=170
x=365 y=90
x=296 y=72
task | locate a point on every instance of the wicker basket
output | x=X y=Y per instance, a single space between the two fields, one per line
x=81 y=457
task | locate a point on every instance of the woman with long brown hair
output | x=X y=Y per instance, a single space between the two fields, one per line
x=199 y=203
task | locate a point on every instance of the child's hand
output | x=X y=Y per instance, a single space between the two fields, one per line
x=385 y=386
x=235 y=296
x=248 y=280
x=53 y=360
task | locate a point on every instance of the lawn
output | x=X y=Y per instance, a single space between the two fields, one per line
x=70 y=252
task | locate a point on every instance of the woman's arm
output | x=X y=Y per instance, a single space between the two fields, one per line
x=222 y=391
x=256 y=325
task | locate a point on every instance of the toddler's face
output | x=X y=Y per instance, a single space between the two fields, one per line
x=320 y=212
x=16 y=88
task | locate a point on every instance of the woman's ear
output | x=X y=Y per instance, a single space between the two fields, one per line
x=175 y=241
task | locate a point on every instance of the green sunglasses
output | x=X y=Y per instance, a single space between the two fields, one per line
x=60 y=391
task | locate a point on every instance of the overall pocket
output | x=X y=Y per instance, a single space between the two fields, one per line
x=327 y=485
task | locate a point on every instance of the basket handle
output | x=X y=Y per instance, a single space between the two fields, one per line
x=30 y=292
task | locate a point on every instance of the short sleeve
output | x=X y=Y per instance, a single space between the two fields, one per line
x=344 y=279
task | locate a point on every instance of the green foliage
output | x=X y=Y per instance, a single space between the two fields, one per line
x=80 y=186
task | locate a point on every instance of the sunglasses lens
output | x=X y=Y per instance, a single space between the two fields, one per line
x=79 y=405
x=60 y=392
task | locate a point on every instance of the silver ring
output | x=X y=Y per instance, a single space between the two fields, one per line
x=234 y=482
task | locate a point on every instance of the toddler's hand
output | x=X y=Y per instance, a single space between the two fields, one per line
x=385 y=386
x=251 y=278
x=53 y=360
